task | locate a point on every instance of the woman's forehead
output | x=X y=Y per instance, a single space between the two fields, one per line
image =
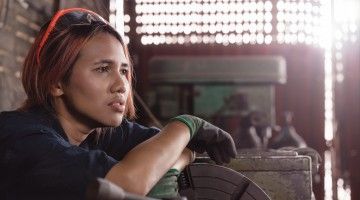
x=103 y=45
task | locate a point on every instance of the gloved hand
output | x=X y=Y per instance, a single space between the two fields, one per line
x=218 y=144
x=167 y=187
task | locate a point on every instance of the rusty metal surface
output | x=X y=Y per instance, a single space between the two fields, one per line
x=281 y=176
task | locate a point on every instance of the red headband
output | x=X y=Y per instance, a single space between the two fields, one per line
x=53 y=22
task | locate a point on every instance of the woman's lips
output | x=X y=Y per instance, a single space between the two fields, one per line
x=117 y=107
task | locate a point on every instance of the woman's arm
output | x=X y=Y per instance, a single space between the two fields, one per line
x=186 y=157
x=144 y=165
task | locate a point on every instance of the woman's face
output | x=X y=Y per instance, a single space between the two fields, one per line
x=99 y=86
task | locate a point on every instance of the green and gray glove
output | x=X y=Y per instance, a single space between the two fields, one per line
x=218 y=144
x=167 y=187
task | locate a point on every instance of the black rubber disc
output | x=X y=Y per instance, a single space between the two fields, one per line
x=213 y=182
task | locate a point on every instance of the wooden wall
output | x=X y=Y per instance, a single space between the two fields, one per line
x=20 y=21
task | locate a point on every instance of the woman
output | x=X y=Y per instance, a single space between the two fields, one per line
x=74 y=125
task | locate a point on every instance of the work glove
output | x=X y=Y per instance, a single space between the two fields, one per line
x=218 y=144
x=167 y=187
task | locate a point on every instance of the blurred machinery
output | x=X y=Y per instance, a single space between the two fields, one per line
x=210 y=85
x=287 y=136
x=234 y=92
x=237 y=94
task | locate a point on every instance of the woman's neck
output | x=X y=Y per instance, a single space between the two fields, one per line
x=75 y=132
x=76 y=126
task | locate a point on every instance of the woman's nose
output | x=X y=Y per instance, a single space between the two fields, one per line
x=119 y=84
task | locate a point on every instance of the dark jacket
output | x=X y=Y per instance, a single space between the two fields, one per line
x=38 y=162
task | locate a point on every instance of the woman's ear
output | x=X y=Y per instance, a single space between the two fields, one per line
x=57 y=89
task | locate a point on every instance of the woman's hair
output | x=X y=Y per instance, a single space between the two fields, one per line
x=55 y=50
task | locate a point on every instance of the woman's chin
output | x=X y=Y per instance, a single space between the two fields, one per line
x=115 y=122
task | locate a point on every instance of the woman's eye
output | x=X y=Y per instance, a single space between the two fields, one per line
x=124 y=71
x=103 y=69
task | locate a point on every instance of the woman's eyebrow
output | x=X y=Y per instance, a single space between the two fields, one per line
x=124 y=64
x=109 y=61
x=106 y=61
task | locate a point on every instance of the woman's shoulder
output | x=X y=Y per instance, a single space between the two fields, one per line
x=23 y=121
x=15 y=118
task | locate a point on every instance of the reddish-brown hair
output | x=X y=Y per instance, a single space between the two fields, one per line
x=53 y=60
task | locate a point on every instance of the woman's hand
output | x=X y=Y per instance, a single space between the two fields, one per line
x=167 y=187
x=218 y=144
